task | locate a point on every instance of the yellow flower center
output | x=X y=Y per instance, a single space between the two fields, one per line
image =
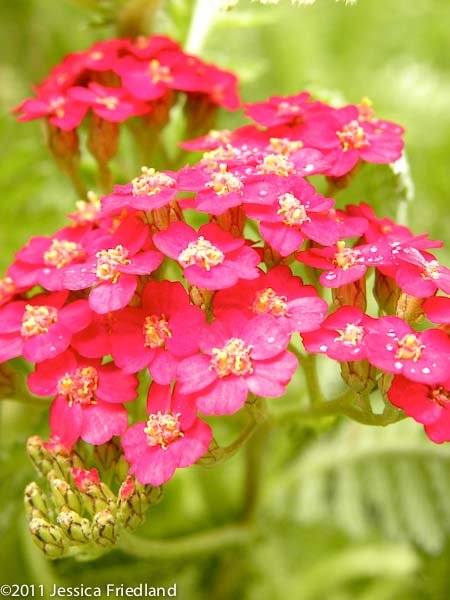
x=79 y=386
x=284 y=145
x=223 y=182
x=267 y=301
x=409 y=347
x=159 y=72
x=7 y=287
x=201 y=253
x=163 y=429
x=38 y=319
x=347 y=257
x=61 y=253
x=151 y=182
x=276 y=164
x=156 y=331
x=109 y=261
x=232 y=359
x=353 y=136
x=292 y=210
x=352 y=334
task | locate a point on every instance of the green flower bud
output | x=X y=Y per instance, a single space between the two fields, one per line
x=107 y=455
x=35 y=502
x=49 y=538
x=39 y=456
x=63 y=495
x=409 y=308
x=359 y=375
x=76 y=528
x=104 y=528
x=95 y=494
x=351 y=294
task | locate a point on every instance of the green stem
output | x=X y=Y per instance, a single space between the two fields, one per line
x=206 y=542
x=342 y=405
x=308 y=363
x=253 y=480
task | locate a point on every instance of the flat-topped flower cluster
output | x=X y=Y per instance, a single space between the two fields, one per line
x=137 y=282
x=120 y=78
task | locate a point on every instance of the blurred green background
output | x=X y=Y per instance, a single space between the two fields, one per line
x=343 y=514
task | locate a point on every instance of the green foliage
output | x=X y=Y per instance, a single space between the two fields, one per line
x=370 y=480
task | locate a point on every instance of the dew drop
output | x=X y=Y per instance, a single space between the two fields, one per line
x=426 y=370
x=271 y=340
x=389 y=347
x=398 y=365
x=309 y=168
x=323 y=347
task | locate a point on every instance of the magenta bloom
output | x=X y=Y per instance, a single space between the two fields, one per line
x=278 y=293
x=240 y=355
x=349 y=139
x=109 y=103
x=89 y=397
x=63 y=112
x=279 y=110
x=41 y=327
x=342 y=335
x=420 y=274
x=173 y=437
x=160 y=333
x=437 y=309
x=44 y=260
x=9 y=288
x=212 y=258
x=113 y=269
x=149 y=191
x=427 y=404
x=343 y=264
x=295 y=212
x=396 y=348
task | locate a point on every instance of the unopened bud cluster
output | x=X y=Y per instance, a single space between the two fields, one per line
x=71 y=511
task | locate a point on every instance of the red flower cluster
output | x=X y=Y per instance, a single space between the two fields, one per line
x=118 y=79
x=112 y=304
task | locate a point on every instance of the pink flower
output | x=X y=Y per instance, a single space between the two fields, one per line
x=61 y=111
x=427 y=404
x=420 y=274
x=173 y=437
x=218 y=189
x=349 y=139
x=278 y=110
x=396 y=348
x=149 y=191
x=296 y=212
x=8 y=288
x=41 y=327
x=240 y=356
x=113 y=269
x=89 y=397
x=277 y=293
x=161 y=333
x=437 y=309
x=44 y=260
x=342 y=335
x=109 y=103
x=343 y=264
x=212 y=258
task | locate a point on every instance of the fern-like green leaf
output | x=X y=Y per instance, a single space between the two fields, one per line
x=369 y=480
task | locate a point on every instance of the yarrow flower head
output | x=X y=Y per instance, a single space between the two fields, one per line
x=172 y=437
